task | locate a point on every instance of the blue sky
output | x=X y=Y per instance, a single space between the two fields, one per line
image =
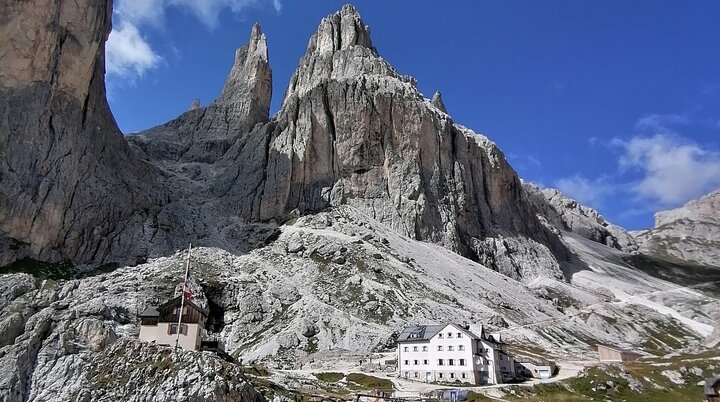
x=616 y=103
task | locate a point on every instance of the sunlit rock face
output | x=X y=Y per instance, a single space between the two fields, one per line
x=688 y=233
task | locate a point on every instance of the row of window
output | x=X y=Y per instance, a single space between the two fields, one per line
x=173 y=329
x=440 y=375
x=441 y=362
x=440 y=348
x=450 y=335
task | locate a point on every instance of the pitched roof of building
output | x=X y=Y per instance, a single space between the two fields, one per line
x=711 y=386
x=150 y=312
x=189 y=303
x=419 y=332
x=426 y=332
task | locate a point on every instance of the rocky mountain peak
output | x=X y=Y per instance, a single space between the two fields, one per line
x=703 y=209
x=205 y=134
x=258 y=43
x=339 y=49
x=438 y=102
x=249 y=84
x=688 y=233
x=340 y=31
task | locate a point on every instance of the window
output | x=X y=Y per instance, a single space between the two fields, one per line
x=405 y=349
x=440 y=348
x=440 y=335
x=414 y=348
x=459 y=334
x=462 y=362
x=452 y=375
x=440 y=362
x=462 y=375
x=407 y=362
x=415 y=362
x=425 y=362
x=450 y=348
x=449 y=334
x=416 y=374
x=461 y=347
x=440 y=375
x=451 y=362
x=173 y=329
x=424 y=349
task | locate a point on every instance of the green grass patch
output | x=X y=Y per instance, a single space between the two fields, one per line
x=364 y=381
x=329 y=376
x=42 y=270
x=476 y=397
x=613 y=383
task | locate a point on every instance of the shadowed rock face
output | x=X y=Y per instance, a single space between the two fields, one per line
x=67 y=177
x=567 y=214
x=205 y=134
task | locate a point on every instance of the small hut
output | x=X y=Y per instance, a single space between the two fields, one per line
x=613 y=354
x=159 y=324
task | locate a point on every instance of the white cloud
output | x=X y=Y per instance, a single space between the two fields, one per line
x=673 y=169
x=660 y=123
x=129 y=54
x=587 y=191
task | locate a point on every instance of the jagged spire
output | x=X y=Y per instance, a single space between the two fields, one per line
x=340 y=48
x=257 y=47
x=438 y=102
x=251 y=65
x=195 y=105
x=340 y=31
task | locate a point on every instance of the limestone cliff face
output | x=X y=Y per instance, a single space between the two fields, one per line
x=205 y=134
x=567 y=214
x=353 y=131
x=67 y=178
x=689 y=233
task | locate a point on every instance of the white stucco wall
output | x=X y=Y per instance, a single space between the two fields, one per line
x=416 y=364
x=159 y=334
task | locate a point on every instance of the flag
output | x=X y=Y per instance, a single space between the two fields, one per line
x=187 y=293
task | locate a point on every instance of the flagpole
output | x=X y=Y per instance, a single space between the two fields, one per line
x=182 y=297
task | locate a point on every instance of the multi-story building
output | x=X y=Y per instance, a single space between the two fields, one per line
x=453 y=353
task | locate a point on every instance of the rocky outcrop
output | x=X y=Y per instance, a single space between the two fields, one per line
x=567 y=214
x=133 y=371
x=69 y=184
x=205 y=134
x=689 y=233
